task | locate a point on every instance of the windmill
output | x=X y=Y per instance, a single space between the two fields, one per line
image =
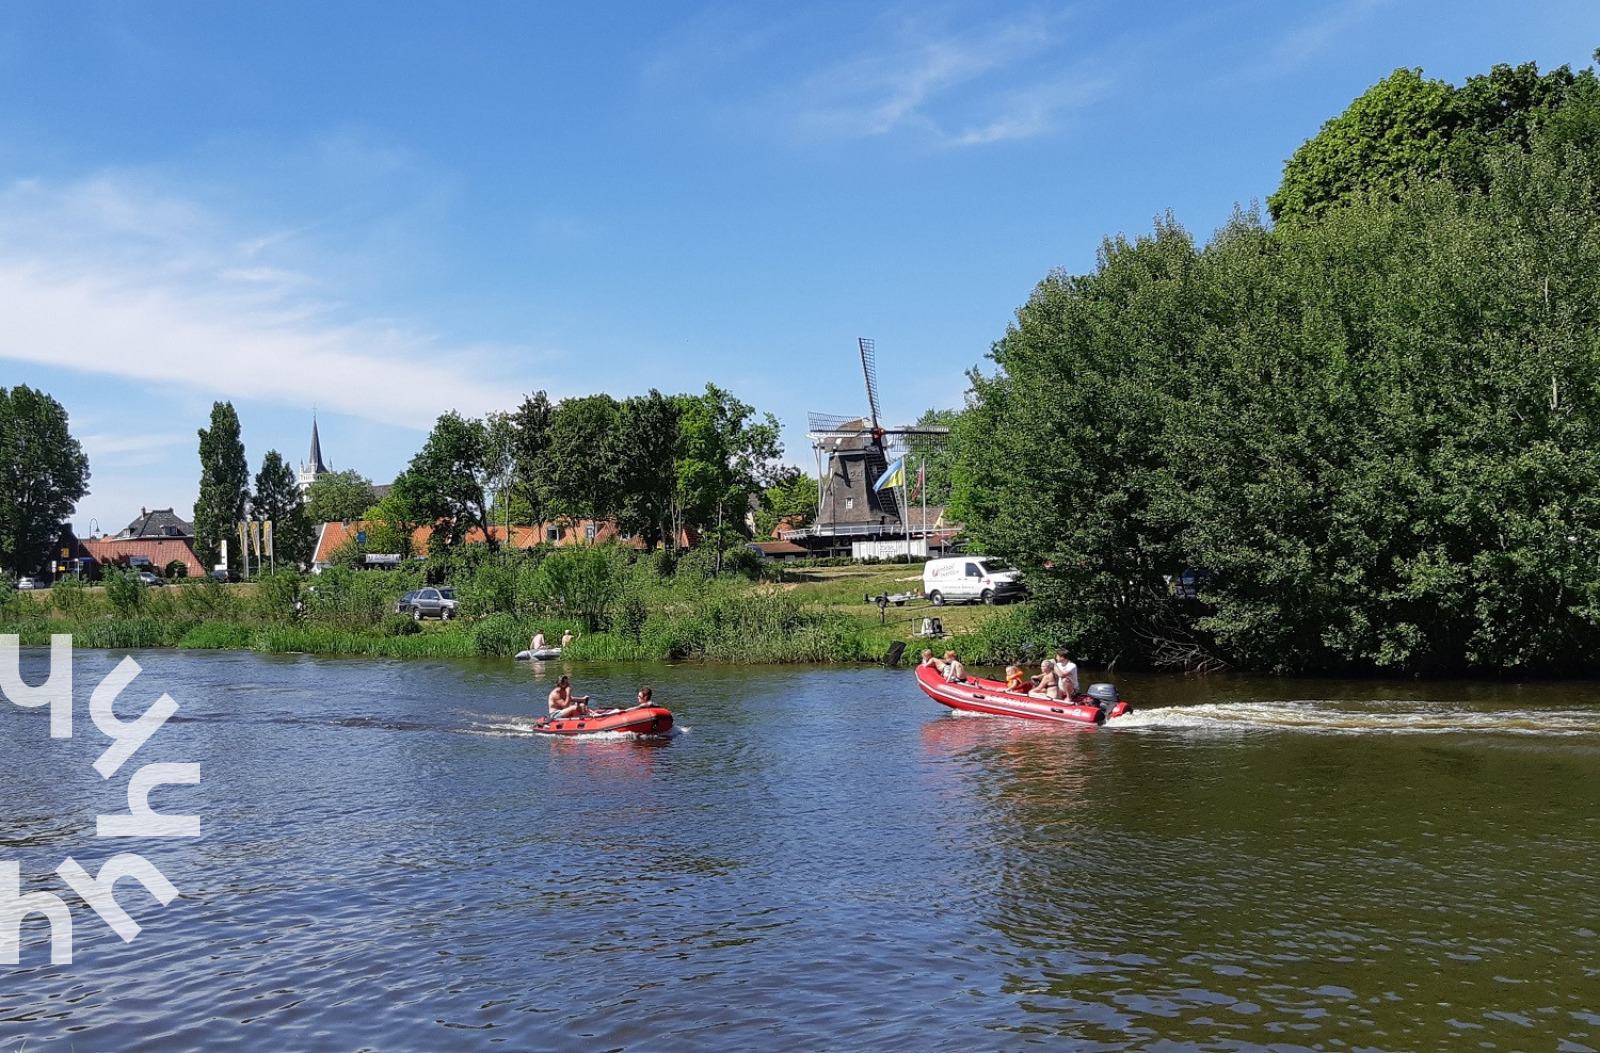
x=858 y=451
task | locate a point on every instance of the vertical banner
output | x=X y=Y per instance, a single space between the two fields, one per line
x=255 y=537
x=244 y=546
x=266 y=537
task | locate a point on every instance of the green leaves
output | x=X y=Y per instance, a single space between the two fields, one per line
x=224 y=484
x=1380 y=433
x=43 y=473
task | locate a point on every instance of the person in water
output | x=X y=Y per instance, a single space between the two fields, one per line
x=1066 y=674
x=1014 y=678
x=567 y=638
x=562 y=704
x=954 y=671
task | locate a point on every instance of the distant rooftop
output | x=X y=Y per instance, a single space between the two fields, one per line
x=157 y=523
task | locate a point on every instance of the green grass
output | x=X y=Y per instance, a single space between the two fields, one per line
x=814 y=615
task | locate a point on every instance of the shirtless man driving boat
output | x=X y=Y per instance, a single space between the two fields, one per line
x=562 y=704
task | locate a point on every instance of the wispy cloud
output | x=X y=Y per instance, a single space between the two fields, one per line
x=1305 y=40
x=121 y=450
x=107 y=277
x=921 y=75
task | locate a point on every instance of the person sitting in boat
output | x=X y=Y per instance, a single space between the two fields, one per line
x=562 y=704
x=954 y=671
x=931 y=659
x=1045 y=684
x=537 y=643
x=1014 y=678
x=1066 y=674
x=644 y=698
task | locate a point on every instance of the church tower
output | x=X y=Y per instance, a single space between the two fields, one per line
x=310 y=470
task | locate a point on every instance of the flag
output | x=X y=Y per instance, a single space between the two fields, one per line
x=244 y=541
x=255 y=537
x=922 y=479
x=266 y=538
x=895 y=476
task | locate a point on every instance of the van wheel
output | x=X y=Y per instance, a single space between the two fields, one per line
x=936 y=598
x=988 y=597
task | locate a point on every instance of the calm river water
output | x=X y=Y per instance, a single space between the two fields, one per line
x=818 y=859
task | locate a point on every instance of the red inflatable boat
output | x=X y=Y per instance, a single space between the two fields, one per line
x=640 y=720
x=976 y=695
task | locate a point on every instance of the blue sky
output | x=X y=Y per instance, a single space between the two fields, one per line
x=390 y=210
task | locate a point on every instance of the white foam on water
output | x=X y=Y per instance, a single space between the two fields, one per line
x=1362 y=718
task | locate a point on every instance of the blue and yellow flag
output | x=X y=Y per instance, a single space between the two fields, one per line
x=895 y=476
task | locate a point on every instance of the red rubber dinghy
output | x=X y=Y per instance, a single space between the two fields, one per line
x=976 y=695
x=640 y=720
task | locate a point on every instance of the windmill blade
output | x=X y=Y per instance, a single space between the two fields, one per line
x=869 y=367
x=917 y=429
x=829 y=423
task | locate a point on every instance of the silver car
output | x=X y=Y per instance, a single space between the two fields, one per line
x=430 y=602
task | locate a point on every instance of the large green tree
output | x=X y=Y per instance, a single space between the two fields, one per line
x=583 y=459
x=530 y=460
x=1379 y=433
x=1406 y=131
x=43 y=473
x=339 y=497
x=789 y=501
x=224 y=486
x=277 y=499
x=647 y=444
x=449 y=481
x=727 y=456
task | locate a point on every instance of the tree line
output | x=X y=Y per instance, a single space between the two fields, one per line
x=663 y=468
x=1363 y=437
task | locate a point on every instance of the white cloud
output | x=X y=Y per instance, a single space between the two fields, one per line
x=132 y=451
x=107 y=277
x=959 y=88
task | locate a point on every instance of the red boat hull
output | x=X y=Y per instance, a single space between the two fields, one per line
x=641 y=720
x=977 y=695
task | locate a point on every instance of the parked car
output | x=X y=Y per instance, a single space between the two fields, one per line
x=28 y=583
x=224 y=575
x=430 y=602
x=150 y=578
x=971 y=579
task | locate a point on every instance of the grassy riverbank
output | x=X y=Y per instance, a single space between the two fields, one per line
x=813 y=615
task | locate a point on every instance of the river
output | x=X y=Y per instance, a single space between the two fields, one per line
x=816 y=859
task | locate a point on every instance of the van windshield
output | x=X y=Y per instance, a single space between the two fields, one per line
x=996 y=566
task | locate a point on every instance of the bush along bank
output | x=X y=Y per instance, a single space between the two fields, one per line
x=620 y=605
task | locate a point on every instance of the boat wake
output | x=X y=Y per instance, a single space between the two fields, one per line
x=1364 y=718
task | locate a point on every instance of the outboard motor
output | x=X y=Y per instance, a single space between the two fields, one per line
x=1104 y=696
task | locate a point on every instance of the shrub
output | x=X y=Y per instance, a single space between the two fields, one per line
x=501 y=635
x=277 y=597
x=124 y=591
x=72 y=598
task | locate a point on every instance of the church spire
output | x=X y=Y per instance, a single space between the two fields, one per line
x=315 y=463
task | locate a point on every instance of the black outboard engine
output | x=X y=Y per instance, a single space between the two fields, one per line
x=1104 y=696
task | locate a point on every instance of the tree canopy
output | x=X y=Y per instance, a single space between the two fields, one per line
x=339 y=497
x=277 y=499
x=1377 y=430
x=224 y=485
x=43 y=473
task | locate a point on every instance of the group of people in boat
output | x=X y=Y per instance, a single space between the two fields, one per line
x=564 y=704
x=539 y=643
x=1057 y=678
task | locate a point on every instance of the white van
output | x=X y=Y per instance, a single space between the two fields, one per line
x=970 y=579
